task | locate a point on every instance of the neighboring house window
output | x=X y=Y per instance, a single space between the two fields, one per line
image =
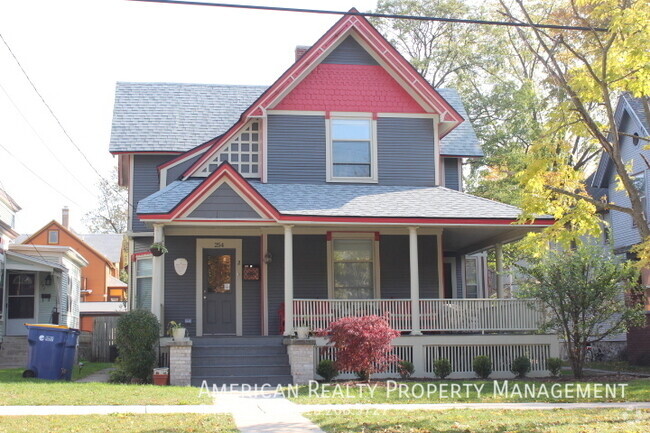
x=20 y=296
x=352 y=153
x=53 y=237
x=353 y=268
x=638 y=180
x=242 y=152
x=471 y=277
x=143 y=283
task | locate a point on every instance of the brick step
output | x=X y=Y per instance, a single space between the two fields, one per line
x=223 y=360
x=241 y=370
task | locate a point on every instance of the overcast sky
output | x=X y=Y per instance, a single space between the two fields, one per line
x=75 y=50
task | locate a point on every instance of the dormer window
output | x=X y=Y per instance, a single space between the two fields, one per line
x=53 y=237
x=352 y=155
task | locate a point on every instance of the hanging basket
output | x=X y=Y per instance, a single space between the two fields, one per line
x=156 y=252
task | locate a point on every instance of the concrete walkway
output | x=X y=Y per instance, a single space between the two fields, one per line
x=98 y=376
x=264 y=413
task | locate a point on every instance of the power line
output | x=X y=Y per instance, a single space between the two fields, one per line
x=37 y=175
x=50 y=108
x=377 y=15
x=54 y=155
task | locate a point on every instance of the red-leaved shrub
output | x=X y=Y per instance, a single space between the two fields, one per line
x=362 y=344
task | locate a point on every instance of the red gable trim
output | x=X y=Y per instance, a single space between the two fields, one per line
x=148 y=152
x=375 y=40
x=226 y=171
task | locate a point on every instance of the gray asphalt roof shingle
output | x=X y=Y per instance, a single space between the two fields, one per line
x=179 y=117
x=346 y=200
x=109 y=244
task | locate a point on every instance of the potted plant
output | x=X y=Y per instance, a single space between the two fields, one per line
x=157 y=249
x=302 y=331
x=176 y=330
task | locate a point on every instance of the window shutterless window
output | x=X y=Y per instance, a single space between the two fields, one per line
x=353 y=268
x=352 y=150
x=143 y=283
x=639 y=182
x=471 y=277
x=53 y=237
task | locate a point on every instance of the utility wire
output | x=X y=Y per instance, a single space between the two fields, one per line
x=50 y=108
x=37 y=175
x=49 y=149
x=377 y=15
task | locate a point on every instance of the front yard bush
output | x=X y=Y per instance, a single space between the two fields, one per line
x=137 y=336
x=554 y=365
x=482 y=366
x=442 y=367
x=405 y=369
x=327 y=370
x=520 y=367
x=363 y=344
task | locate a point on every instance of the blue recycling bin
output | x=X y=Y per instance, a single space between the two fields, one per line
x=52 y=350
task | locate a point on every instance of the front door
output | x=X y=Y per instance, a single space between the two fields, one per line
x=21 y=302
x=219 y=302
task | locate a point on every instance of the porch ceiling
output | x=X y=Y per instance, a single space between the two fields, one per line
x=471 y=239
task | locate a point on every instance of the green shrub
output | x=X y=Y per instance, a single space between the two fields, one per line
x=482 y=366
x=136 y=338
x=405 y=369
x=327 y=370
x=520 y=366
x=442 y=367
x=119 y=376
x=554 y=365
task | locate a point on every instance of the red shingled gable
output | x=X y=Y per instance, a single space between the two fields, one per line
x=364 y=88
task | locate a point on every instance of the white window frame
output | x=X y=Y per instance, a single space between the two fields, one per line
x=137 y=278
x=375 y=260
x=374 y=167
x=479 y=277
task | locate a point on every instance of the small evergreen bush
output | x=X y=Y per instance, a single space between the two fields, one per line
x=405 y=369
x=327 y=370
x=482 y=366
x=554 y=365
x=136 y=337
x=520 y=366
x=442 y=367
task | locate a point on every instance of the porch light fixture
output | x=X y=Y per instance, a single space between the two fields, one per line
x=268 y=258
x=48 y=280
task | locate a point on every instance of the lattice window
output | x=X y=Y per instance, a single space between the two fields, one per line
x=242 y=152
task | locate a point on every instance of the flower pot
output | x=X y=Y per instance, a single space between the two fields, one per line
x=161 y=379
x=155 y=252
x=178 y=334
x=302 y=332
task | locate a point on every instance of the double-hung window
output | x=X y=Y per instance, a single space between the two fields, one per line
x=143 y=282
x=353 y=268
x=352 y=155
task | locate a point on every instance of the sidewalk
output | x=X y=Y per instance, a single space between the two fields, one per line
x=98 y=376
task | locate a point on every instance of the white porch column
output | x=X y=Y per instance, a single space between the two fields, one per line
x=157 y=275
x=288 y=280
x=498 y=252
x=415 y=281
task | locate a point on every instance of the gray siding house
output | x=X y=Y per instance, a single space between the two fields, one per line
x=336 y=191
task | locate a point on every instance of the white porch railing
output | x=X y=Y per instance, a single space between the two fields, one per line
x=436 y=315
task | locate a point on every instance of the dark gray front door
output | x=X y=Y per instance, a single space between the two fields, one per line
x=219 y=279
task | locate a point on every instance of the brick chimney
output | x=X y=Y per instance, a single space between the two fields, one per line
x=65 y=217
x=300 y=50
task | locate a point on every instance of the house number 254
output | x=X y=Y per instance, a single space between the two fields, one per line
x=218 y=244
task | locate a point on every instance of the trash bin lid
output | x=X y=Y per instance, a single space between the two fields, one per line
x=45 y=325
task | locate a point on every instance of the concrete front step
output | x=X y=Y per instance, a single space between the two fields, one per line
x=237 y=341
x=238 y=350
x=14 y=352
x=272 y=380
x=258 y=360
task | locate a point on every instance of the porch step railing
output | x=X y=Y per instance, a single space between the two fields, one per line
x=436 y=315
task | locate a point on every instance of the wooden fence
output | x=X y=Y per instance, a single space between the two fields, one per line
x=104 y=331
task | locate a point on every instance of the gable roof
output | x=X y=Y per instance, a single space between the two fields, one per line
x=196 y=113
x=635 y=109
x=175 y=117
x=109 y=244
x=308 y=202
x=73 y=235
x=10 y=202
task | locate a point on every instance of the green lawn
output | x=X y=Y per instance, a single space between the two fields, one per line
x=485 y=421
x=123 y=423
x=618 y=366
x=441 y=392
x=14 y=390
